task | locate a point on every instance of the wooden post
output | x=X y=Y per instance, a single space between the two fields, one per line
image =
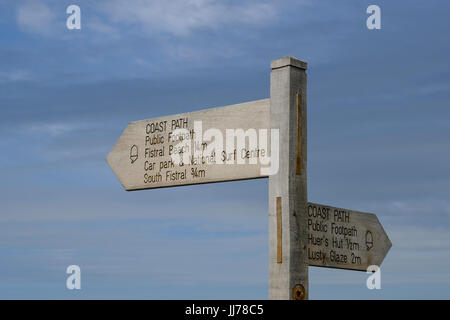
x=288 y=268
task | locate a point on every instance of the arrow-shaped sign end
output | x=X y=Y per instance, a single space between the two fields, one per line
x=386 y=243
x=113 y=160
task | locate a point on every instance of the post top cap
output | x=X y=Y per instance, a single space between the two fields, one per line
x=288 y=61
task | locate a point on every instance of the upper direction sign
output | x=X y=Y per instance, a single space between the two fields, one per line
x=212 y=145
x=346 y=239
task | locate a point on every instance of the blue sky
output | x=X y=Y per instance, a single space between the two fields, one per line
x=378 y=141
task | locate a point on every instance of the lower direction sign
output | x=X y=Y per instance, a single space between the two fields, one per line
x=345 y=239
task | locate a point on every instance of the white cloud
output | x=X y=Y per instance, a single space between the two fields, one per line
x=35 y=17
x=417 y=238
x=434 y=88
x=181 y=17
x=176 y=17
x=54 y=129
x=62 y=140
x=98 y=26
x=409 y=212
x=15 y=75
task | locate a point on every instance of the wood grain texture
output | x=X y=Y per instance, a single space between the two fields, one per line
x=299 y=134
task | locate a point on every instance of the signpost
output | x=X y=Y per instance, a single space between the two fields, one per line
x=264 y=138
